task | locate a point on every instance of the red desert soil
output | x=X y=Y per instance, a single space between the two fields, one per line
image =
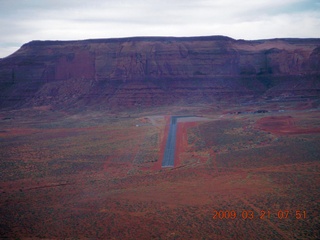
x=78 y=182
x=182 y=141
x=282 y=125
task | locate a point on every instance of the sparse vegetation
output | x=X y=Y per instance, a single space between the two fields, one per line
x=79 y=176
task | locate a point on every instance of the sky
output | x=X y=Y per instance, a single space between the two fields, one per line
x=22 y=21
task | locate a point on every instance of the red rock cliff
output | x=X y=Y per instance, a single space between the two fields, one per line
x=158 y=70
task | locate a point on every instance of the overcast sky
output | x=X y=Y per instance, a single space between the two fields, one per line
x=22 y=21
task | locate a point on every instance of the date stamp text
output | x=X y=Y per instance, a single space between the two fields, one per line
x=263 y=214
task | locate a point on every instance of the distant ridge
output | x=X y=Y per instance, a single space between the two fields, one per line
x=151 y=71
x=164 y=38
x=128 y=39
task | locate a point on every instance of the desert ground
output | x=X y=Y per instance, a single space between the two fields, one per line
x=241 y=171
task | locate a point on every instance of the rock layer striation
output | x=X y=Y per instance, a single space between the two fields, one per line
x=148 y=71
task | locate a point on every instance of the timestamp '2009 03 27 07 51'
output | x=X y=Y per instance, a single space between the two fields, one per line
x=263 y=214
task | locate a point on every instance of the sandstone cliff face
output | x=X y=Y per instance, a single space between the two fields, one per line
x=158 y=70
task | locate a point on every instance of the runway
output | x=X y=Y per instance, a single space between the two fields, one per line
x=168 y=158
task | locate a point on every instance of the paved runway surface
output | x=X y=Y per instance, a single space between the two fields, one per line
x=168 y=158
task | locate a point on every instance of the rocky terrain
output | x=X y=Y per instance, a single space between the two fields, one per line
x=96 y=175
x=84 y=126
x=152 y=71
